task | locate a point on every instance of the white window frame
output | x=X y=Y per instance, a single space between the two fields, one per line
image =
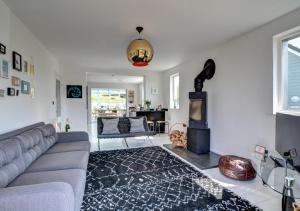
x=279 y=70
x=172 y=92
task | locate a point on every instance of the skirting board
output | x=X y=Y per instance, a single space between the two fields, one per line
x=204 y=161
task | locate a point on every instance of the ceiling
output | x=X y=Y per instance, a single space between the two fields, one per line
x=113 y=78
x=95 y=33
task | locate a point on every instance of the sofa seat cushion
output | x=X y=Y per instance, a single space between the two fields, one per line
x=69 y=147
x=127 y=135
x=75 y=177
x=60 y=161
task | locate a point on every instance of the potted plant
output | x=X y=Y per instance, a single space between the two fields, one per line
x=148 y=104
x=67 y=125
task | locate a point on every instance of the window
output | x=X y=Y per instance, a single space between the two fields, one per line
x=108 y=102
x=287 y=72
x=174 y=91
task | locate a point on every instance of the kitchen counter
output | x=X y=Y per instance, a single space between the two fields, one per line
x=154 y=116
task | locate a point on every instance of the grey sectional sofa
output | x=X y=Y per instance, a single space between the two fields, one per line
x=41 y=170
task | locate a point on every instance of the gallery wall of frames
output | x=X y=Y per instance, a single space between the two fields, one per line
x=20 y=73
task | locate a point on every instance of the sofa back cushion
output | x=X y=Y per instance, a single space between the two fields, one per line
x=110 y=126
x=137 y=125
x=32 y=146
x=19 y=131
x=123 y=126
x=11 y=161
x=49 y=136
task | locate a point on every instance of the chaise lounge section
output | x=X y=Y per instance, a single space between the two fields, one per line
x=41 y=170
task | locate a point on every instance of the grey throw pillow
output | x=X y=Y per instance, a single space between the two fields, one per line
x=110 y=126
x=136 y=125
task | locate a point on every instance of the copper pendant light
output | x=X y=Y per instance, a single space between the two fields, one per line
x=139 y=51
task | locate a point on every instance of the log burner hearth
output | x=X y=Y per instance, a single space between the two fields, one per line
x=198 y=133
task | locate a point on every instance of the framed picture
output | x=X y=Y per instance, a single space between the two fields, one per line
x=17 y=61
x=25 y=87
x=2 y=49
x=11 y=91
x=4 y=71
x=31 y=70
x=74 y=91
x=154 y=91
x=32 y=91
x=25 y=67
x=15 y=81
x=131 y=96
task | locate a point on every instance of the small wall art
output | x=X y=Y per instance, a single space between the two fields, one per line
x=4 y=69
x=31 y=70
x=131 y=96
x=154 y=91
x=11 y=91
x=2 y=49
x=2 y=92
x=25 y=67
x=25 y=87
x=74 y=91
x=32 y=92
x=17 y=61
x=15 y=81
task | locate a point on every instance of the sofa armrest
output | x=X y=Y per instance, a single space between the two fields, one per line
x=56 y=196
x=72 y=136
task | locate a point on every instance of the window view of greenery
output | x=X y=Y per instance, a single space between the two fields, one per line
x=294 y=74
x=108 y=102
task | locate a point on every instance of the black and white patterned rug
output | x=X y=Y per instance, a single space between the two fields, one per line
x=152 y=179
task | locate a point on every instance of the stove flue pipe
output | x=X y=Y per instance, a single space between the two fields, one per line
x=206 y=74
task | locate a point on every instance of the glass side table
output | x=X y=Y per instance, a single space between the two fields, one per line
x=279 y=176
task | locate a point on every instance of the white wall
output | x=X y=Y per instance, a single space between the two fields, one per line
x=154 y=80
x=19 y=111
x=76 y=109
x=240 y=96
x=128 y=87
x=141 y=94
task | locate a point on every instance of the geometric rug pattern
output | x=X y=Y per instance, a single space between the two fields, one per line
x=152 y=179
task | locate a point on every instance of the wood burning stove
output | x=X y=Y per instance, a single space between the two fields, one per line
x=198 y=114
x=198 y=133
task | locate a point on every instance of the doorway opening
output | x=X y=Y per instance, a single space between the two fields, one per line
x=113 y=95
x=58 y=104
